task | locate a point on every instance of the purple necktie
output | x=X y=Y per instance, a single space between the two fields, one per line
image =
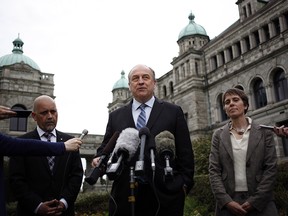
x=51 y=159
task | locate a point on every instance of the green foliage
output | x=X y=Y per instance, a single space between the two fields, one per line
x=92 y=204
x=281 y=188
x=201 y=147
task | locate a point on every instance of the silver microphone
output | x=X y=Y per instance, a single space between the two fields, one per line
x=84 y=133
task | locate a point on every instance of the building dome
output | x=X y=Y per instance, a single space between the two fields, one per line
x=122 y=82
x=17 y=56
x=192 y=28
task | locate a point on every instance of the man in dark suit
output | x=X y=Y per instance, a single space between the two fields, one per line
x=168 y=196
x=10 y=146
x=39 y=188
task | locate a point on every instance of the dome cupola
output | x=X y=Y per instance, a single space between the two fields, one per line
x=17 y=56
x=122 y=82
x=192 y=28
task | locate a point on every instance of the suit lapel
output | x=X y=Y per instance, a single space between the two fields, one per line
x=225 y=137
x=254 y=139
x=155 y=112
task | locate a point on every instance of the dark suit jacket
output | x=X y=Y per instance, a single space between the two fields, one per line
x=10 y=146
x=261 y=161
x=32 y=181
x=164 y=116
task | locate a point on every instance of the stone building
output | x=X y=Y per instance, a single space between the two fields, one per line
x=251 y=54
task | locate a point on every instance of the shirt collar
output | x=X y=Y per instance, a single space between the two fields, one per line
x=148 y=103
x=41 y=132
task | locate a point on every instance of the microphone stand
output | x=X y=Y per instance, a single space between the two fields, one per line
x=131 y=198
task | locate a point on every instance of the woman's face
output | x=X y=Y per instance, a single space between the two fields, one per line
x=234 y=106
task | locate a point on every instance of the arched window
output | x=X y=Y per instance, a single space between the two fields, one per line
x=171 y=87
x=259 y=94
x=164 y=91
x=222 y=113
x=18 y=123
x=280 y=85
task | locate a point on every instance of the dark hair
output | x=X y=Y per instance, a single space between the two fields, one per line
x=240 y=93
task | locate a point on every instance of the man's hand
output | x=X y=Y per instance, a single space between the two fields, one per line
x=6 y=112
x=48 y=207
x=236 y=209
x=73 y=144
x=95 y=162
x=281 y=131
x=60 y=208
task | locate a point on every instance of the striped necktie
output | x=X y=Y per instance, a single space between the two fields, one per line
x=51 y=159
x=141 y=121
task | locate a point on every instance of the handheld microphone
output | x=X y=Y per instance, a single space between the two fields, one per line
x=165 y=148
x=126 y=146
x=84 y=133
x=139 y=166
x=99 y=170
x=151 y=147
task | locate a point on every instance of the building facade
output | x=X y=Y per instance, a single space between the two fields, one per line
x=251 y=54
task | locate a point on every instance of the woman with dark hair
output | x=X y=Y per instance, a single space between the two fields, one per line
x=242 y=162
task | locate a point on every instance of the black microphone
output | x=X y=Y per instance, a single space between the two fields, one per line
x=126 y=146
x=152 y=147
x=84 y=133
x=165 y=148
x=99 y=170
x=144 y=133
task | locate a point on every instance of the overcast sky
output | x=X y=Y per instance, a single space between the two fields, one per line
x=86 y=44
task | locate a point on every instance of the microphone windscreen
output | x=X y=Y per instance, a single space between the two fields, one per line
x=144 y=131
x=165 y=144
x=111 y=144
x=151 y=142
x=128 y=140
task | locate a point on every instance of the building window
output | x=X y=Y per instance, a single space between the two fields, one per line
x=222 y=58
x=214 y=64
x=266 y=32
x=164 y=91
x=256 y=38
x=247 y=42
x=171 y=87
x=222 y=112
x=259 y=94
x=18 y=123
x=276 y=25
x=229 y=54
x=280 y=85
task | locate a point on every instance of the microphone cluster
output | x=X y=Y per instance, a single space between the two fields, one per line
x=122 y=148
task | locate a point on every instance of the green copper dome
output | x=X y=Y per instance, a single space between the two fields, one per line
x=192 y=28
x=17 y=56
x=122 y=82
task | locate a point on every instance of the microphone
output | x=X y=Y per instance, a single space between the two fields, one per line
x=139 y=166
x=165 y=148
x=99 y=170
x=84 y=133
x=126 y=146
x=151 y=147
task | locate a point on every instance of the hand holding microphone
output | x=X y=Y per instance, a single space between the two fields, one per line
x=165 y=148
x=100 y=167
x=75 y=143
